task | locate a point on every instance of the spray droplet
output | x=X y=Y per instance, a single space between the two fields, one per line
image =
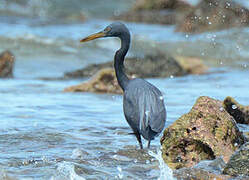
x=147 y=113
x=234 y=106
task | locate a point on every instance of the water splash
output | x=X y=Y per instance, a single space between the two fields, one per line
x=165 y=171
x=65 y=170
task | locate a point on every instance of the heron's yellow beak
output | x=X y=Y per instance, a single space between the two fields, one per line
x=93 y=36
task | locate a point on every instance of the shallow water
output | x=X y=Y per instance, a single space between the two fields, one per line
x=43 y=129
x=48 y=134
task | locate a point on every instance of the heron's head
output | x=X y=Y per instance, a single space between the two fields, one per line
x=116 y=29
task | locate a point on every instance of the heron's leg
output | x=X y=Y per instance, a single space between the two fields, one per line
x=148 y=146
x=139 y=139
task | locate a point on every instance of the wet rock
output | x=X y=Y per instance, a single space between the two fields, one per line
x=192 y=65
x=210 y=15
x=238 y=111
x=246 y=134
x=159 y=11
x=239 y=162
x=206 y=132
x=151 y=66
x=103 y=82
x=197 y=174
x=7 y=60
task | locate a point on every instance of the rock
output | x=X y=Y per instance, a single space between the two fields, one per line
x=148 y=16
x=103 y=82
x=246 y=134
x=239 y=112
x=7 y=60
x=206 y=132
x=239 y=162
x=192 y=65
x=151 y=66
x=197 y=174
x=161 y=4
x=210 y=15
x=156 y=11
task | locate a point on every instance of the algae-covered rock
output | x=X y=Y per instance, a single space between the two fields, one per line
x=239 y=112
x=7 y=60
x=206 y=132
x=239 y=162
x=103 y=82
x=210 y=15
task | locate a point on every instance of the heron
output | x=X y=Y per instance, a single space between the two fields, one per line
x=143 y=103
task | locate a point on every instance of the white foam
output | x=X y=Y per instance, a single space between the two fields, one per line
x=65 y=170
x=165 y=171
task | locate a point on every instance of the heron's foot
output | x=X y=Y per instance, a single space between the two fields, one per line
x=139 y=139
x=141 y=145
x=148 y=146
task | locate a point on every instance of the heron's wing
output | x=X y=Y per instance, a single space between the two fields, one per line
x=144 y=106
x=152 y=110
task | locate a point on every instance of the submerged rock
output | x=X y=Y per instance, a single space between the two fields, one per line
x=198 y=174
x=206 y=132
x=210 y=15
x=7 y=60
x=103 y=82
x=239 y=162
x=151 y=66
x=239 y=112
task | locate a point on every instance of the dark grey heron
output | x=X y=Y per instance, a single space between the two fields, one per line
x=143 y=103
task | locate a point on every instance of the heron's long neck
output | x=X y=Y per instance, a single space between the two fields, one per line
x=119 y=61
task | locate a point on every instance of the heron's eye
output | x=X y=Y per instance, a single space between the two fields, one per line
x=107 y=29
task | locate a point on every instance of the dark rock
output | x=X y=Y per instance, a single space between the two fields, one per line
x=7 y=60
x=148 y=16
x=156 y=11
x=161 y=4
x=210 y=15
x=238 y=111
x=103 y=82
x=206 y=132
x=239 y=162
x=150 y=67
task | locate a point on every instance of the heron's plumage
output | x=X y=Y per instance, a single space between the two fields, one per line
x=143 y=103
x=144 y=108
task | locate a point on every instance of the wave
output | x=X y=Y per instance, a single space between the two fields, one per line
x=74 y=10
